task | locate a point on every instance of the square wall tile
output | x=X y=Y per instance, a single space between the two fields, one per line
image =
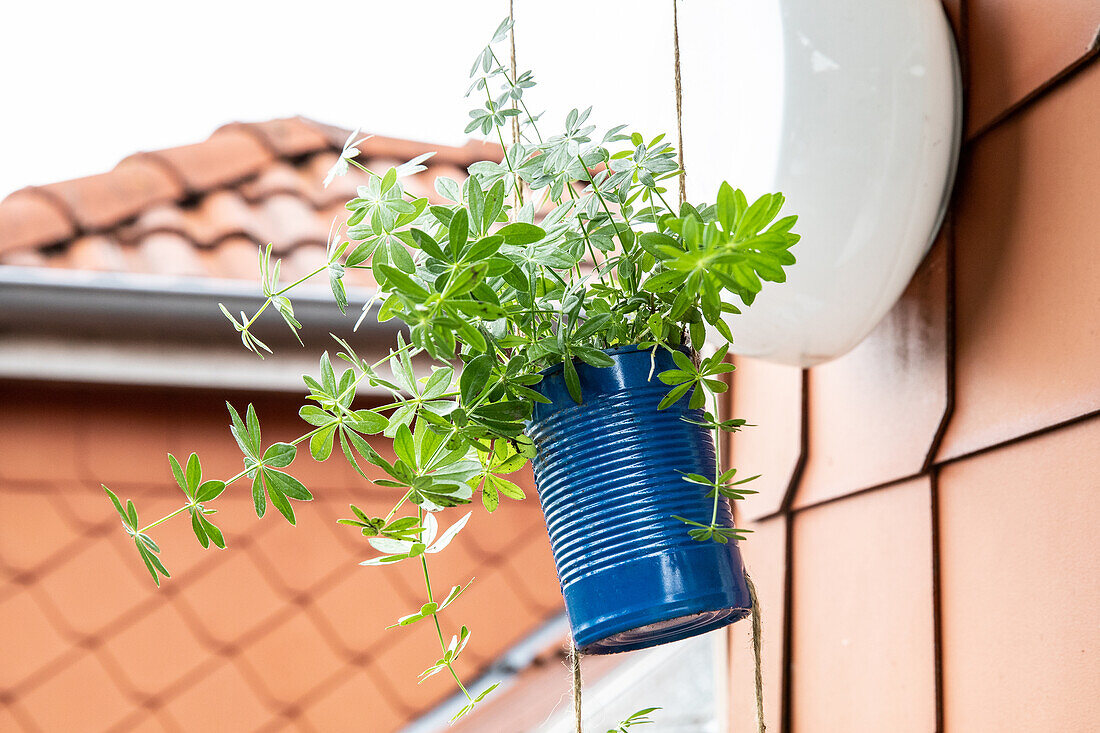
x=1014 y=46
x=873 y=413
x=862 y=644
x=1020 y=584
x=769 y=396
x=1027 y=311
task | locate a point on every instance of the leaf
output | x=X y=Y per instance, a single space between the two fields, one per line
x=572 y=381
x=284 y=483
x=490 y=497
x=118 y=507
x=403 y=283
x=727 y=208
x=314 y=415
x=212 y=532
x=438 y=382
x=177 y=473
x=508 y=488
x=199 y=530
x=674 y=376
x=253 y=424
x=279 y=455
x=593 y=357
x=259 y=501
x=674 y=395
x=485 y=692
x=280 y=502
x=368 y=422
x=209 y=490
x=474 y=377
x=241 y=435
x=403 y=446
x=194 y=472
x=445 y=539
x=591 y=326
x=459 y=230
x=664 y=282
x=521 y=233
x=320 y=444
x=683 y=361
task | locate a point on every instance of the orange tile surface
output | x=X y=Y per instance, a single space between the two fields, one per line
x=283 y=631
x=874 y=413
x=1020 y=588
x=1028 y=319
x=862 y=647
x=1014 y=46
x=769 y=397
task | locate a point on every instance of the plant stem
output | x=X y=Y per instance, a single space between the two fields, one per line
x=516 y=189
x=294 y=284
x=607 y=210
x=512 y=83
x=435 y=618
x=163 y=519
x=717 y=461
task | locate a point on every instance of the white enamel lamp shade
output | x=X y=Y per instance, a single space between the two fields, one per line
x=850 y=108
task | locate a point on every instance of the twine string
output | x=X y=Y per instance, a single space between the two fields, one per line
x=517 y=186
x=679 y=103
x=758 y=676
x=575 y=663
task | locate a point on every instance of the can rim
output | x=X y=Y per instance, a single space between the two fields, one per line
x=615 y=350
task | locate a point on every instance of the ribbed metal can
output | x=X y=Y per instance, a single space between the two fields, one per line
x=609 y=477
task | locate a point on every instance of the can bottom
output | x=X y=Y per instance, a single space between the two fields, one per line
x=663 y=632
x=667 y=596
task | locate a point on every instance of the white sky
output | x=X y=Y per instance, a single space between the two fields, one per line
x=85 y=84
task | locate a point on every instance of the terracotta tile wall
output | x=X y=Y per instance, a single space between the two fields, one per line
x=282 y=631
x=923 y=537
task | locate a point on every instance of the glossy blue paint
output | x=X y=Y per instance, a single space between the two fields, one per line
x=608 y=473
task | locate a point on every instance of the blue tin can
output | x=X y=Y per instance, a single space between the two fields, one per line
x=608 y=473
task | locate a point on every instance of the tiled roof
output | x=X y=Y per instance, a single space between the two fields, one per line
x=202 y=209
x=282 y=631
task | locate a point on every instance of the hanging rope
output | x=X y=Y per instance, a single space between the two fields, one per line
x=512 y=38
x=575 y=664
x=758 y=677
x=517 y=187
x=679 y=104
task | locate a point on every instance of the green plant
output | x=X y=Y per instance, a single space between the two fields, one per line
x=641 y=717
x=564 y=247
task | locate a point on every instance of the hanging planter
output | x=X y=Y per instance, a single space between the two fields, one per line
x=557 y=297
x=609 y=473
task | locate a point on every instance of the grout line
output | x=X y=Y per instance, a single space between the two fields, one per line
x=949 y=333
x=803 y=448
x=860 y=492
x=937 y=602
x=22 y=716
x=1091 y=54
x=1053 y=427
x=785 y=677
x=1085 y=417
